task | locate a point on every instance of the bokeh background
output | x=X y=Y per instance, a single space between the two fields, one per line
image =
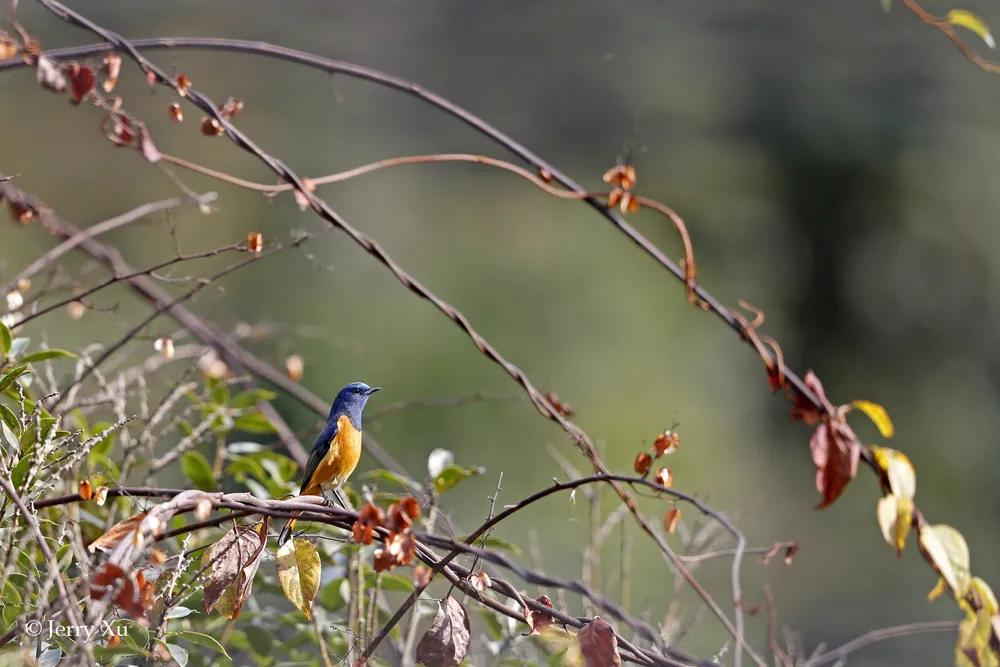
x=834 y=164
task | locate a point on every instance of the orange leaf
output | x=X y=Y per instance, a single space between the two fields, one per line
x=836 y=452
x=642 y=463
x=671 y=519
x=118 y=532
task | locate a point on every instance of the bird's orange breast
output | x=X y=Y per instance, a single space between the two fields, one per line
x=340 y=460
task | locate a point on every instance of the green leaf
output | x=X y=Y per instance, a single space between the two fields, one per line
x=200 y=639
x=178 y=612
x=179 y=654
x=20 y=472
x=5 y=339
x=46 y=354
x=255 y=422
x=10 y=419
x=15 y=373
x=251 y=397
x=453 y=474
x=383 y=475
x=966 y=19
x=197 y=469
x=389 y=582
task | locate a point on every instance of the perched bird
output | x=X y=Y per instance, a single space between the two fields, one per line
x=337 y=449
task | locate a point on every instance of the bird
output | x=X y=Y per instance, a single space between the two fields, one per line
x=337 y=450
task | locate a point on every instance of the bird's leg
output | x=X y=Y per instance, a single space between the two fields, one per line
x=333 y=497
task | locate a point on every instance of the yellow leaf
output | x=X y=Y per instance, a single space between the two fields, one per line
x=898 y=471
x=966 y=19
x=895 y=515
x=976 y=631
x=298 y=567
x=940 y=587
x=878 y=415
x=947 y=550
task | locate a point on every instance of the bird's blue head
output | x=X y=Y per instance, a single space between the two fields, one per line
x=351 y=401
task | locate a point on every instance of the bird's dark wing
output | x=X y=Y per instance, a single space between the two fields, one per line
x=319 y=450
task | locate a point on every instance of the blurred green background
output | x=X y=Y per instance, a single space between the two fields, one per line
x=832 y=163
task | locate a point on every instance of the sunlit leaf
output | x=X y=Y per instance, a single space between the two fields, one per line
x=46 y=354
x=12 y=375
x=895 y=516
x=966 y=19
x=878 y=415
x=298 y=567
x=947 y=550
x=451 y=475
x=897 y=470
x=975 y=632
x=178 y=653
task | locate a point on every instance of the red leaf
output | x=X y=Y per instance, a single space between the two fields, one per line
x=804 y=409
x=836 y=452
x=599 y=645
x=447 y=640
x=642 y=463
x=369 y=518
x=132 y=593
x=81 y=79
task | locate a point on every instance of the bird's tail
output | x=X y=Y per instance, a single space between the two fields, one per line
x=286 y=532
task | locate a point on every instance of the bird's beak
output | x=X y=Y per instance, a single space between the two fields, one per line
x=372 y=390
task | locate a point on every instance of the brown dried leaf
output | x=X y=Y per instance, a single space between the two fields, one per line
x=183 y=84
x=598 y=644
x=115 y=534
x=255 y=243
x=806 y=411
x=421 y=576
x=176 y=113
x=210 y=127
x=50 y=75
x=664 y=477
x=447 y=640
x=85 y=490
x=564 y=409
x=8 y=48
x=232 y=106
x=132 y=593
x=539 y=620
x=230 y=566
x=402 y=513
x=21 y=213
x=666 y=442
x=480 y=581
x=369 y=518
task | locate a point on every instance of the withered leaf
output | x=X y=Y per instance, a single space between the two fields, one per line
x=132 y=593
x=836 y=452
x=598 y=644
x=642 y=463
x=671 y=519
x=230 y=566
x=115 y=534
x=447 y=640
x=805 y=410
x=111 y=68
x=146 y=145
x=369 y=518
x=298 y=567
x=539 y=620
x=50 y=75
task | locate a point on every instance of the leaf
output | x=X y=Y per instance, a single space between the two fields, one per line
x=451 y=475
x=447 y=640
x=178 y=612
x=12 y=375
x=198 y=470
x=46 y=354
x=18 y=345
x=895 y=516
x=201 y=639
x=878 y=415
x=966 y=19
x=975 y=633
x=897 y=471
x=49 y=74
x=10 y=419
x=179 y=654
x=255 y=422
x=438 y=460
x=298 y=567
x=81 y=79
x=836 y=452
x=598 y=644
x=5 y=339
x=116 y=533
x=383 y=475
x=251 y=397
x=947 y=551
x=230 y=566
x=539 y=620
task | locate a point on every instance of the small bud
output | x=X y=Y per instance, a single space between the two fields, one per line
x=23 y=284
x=183 y=84
x=8 y=48
x=671 y=519
x=666 y=443
x=203 y=509
x=295 y=367
x=101 y=495
x=75 y=310
x=85 y=490
x=165 y=346
x=211 y=127
x=176 y=114
x=14 y=300
x=111 y=68
x=255 y=243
